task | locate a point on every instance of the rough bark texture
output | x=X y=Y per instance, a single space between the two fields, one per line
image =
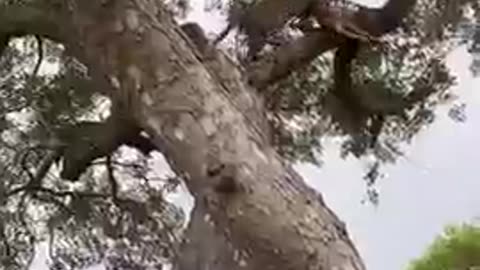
x=252 y=210
x=199 y=117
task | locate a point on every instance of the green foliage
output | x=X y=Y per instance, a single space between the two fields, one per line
x=407 y=78
x=117 y=209
x=457 y=248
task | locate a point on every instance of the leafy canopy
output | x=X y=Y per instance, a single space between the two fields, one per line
x=457 y=248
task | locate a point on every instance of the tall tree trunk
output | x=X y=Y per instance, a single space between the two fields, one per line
x=252 y=210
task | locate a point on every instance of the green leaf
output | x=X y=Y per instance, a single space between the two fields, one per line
x=457 y=248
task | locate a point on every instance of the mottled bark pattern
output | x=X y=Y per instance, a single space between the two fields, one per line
x=198 y=113
x=252 y=210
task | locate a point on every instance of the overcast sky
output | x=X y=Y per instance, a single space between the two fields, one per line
x=434 y=186
x=437 y=184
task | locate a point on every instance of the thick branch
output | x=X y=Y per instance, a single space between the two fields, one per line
x=201 y=113
x=271 y=220
x=29 y=18
x=291 y=57
x=372 y=21
x=261 y=18
x=87 y=141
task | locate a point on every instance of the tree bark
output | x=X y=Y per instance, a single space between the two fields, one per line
x=252 y=210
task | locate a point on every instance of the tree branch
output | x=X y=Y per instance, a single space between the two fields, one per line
x=206 y=119
x=35 y=179
x=292 y=56
x=29 y=18
x=373 y=21
x=87 y=141
x=190 y=108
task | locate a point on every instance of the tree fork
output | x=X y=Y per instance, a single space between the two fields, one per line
x=200 y=117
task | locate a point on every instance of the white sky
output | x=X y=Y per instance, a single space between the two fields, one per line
x=436 y=185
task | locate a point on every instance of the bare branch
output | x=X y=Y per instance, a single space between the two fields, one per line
x=111 y=179
x=40 y=56
x=372 y=22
